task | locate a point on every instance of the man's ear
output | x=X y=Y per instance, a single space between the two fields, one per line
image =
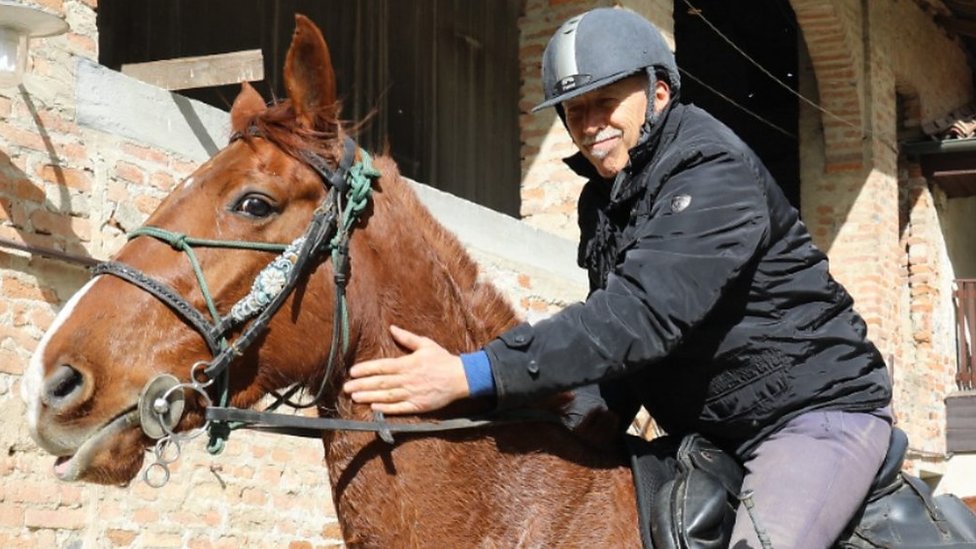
x=662 y=94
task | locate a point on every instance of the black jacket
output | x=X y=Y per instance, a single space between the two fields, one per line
x=709 y=303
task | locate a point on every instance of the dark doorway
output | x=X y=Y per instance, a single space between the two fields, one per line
x=441 y=76
x=724 y=82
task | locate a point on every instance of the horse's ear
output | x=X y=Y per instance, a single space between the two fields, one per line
x=248 y=104
x=309 y=77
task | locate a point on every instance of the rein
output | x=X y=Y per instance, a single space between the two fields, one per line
x=161 y=401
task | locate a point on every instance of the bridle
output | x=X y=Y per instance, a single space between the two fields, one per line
x=161 y=401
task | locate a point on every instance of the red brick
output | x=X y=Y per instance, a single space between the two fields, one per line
x=145 y=153
x=254 y=496
x=162 y=181
x=117 y=191
x=41 y=318
x=13 y=288
x=56 y=6
x=63 y=519
x=332 y=531
x=68 y=177
x=21 y=187
x=121 y=538
x=843 y=167
x=73 y=152
x=83 y=42
x=129 y=172
x=145 y=516
x=46 y=222
x=57 y=122
x=182 y=169
x=22 y=138
x=24 y=491
x=11 y=515
x=146 y=204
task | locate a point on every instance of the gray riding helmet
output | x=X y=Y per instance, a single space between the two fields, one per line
x=600 y=47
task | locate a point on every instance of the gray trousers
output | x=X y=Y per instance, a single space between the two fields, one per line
x=809 y=478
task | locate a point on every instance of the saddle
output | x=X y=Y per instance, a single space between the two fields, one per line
x=688 y=491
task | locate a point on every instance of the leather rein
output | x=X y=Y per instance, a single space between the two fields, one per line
x=162 y=400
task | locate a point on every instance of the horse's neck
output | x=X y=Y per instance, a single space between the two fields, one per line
x=429 y=284
x=432 y=485
x=505 y=486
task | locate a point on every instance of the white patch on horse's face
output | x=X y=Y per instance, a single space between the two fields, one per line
x=33 y=380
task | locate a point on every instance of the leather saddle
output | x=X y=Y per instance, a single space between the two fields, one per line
x=688 y=493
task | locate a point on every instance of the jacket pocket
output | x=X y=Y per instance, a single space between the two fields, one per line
x=748 y=387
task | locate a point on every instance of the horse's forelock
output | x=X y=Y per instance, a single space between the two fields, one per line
x=278 y=125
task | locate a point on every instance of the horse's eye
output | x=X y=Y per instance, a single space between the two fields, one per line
x=254 y=206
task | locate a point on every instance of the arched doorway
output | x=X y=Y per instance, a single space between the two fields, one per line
x=720 y=78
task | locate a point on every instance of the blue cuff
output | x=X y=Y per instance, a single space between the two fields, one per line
x=477 y=368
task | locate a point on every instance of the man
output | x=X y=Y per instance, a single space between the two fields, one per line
x=709 y=303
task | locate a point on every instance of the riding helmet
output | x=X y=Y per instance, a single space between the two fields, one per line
x=600 y=47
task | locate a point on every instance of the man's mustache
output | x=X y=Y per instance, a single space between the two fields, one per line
x=605 y=133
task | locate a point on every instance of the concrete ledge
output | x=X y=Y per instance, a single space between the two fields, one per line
x=111 y=102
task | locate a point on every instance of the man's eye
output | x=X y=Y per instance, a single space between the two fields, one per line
x=255 y=206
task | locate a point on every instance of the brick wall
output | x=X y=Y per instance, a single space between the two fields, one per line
x=67 y=185
x=896 y=269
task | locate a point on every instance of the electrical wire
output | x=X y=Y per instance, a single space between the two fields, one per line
x=741 y=107
x=697 y=12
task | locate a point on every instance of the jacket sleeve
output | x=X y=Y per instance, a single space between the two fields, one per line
x=665 y=282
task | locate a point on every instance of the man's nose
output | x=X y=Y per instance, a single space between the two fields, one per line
x=593 y=122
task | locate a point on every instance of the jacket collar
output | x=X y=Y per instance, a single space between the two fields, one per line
x=625 y=185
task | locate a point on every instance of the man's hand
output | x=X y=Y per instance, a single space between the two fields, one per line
x=427 y=379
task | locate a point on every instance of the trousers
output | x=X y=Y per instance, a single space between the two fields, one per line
x=809 y=478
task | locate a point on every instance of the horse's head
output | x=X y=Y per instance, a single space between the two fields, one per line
x=114 y=336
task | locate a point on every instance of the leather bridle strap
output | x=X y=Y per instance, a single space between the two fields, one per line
x=313 y=427
x=316 y=239
x=167 y=295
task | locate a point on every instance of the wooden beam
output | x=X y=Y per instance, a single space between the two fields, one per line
x=200 y=72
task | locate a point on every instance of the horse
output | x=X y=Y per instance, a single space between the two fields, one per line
x=140 y=324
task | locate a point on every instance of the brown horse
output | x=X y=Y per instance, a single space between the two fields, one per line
x=527 y=485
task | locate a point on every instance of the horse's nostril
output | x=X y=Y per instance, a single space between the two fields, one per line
x=63 y=386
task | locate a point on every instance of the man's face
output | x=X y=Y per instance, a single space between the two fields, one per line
x=606 y=123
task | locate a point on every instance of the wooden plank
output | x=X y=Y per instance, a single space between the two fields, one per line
x=958 y=441
x=961 y=381
x=963 y=403
x=961 y=422
x=200 y=72
x=965 y=302
x=969 y=324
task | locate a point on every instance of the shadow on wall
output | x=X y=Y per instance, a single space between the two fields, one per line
x=47 y=229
